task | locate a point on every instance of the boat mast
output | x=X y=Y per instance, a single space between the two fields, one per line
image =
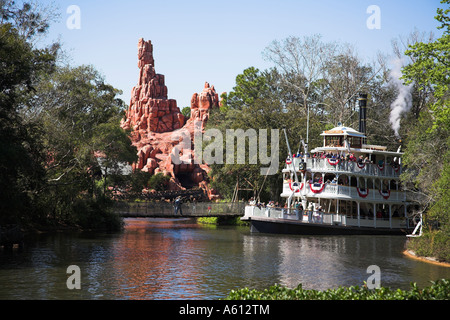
x=307 y=127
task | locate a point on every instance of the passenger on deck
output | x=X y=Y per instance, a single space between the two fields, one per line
x=298 y=207
x=317 y=213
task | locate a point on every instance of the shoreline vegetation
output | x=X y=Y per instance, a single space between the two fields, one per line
x=222 y=221
x=438 y=290
x=432 y=245
x=411 y=254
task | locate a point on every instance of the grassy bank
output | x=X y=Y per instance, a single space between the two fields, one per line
x=439 y=290
x=435 y=244
x=225 y=221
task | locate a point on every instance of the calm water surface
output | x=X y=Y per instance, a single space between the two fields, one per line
x=179 y=259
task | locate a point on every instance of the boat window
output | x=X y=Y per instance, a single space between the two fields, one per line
x=330 y=178
x=334 y=141
x=393 y=184
x=362 y=183
x=355 y=142
x=366 y=209
x=377 y=184
x=343 y=180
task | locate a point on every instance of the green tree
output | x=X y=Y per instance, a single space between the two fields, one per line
x=253 y=104
x=428 y=154
x=324 y=79
x=21 y=171
x=113 y=149
x=250 y=85
x=79 y=115
x=431 y=67
x=186 y=111
x=158 y=182
x=54 y=122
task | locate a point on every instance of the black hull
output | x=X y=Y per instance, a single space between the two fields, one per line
x=282 y=226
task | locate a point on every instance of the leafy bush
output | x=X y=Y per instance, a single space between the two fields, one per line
x=158 y=182
x=439 y=290
x=433 y=243
x=96 y=214
x=230 y=221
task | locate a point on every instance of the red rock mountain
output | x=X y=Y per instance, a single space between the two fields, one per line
x=158 y=126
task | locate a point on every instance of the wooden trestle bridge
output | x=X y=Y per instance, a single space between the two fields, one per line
x=189 y=209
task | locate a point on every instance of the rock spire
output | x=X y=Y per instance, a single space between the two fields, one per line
x=156 y=122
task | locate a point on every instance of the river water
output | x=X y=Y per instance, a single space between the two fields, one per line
x=179 y=259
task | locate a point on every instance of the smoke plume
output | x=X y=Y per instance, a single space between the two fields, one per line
x=403 y=102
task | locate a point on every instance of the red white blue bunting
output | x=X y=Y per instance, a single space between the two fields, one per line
x=332 y=161
x=385 y=193
x=317 y=189
x=363 y=193
x=298 y=189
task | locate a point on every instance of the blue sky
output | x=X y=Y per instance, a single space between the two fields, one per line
x=214 y=41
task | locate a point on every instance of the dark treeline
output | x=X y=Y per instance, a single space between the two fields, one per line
x=56 y=122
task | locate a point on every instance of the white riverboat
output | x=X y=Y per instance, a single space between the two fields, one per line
x=344 y=187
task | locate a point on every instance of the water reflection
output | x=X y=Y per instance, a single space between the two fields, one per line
x=158 y=262
x=322 y=262
x=178 y=259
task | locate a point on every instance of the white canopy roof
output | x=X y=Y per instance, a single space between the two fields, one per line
x=343 y=131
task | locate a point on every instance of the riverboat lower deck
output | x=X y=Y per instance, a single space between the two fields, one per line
x=278 y=220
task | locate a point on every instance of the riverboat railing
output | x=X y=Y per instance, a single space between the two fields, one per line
x=331 y=218
x=353 y=167
x=348 y=192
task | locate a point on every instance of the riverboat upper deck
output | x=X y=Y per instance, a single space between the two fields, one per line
x=345 y=168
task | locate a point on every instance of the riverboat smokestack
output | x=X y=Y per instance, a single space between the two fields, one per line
x=362 y=102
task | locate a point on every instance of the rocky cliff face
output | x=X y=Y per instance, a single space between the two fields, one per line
x=158 y=126
x=150 y=109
